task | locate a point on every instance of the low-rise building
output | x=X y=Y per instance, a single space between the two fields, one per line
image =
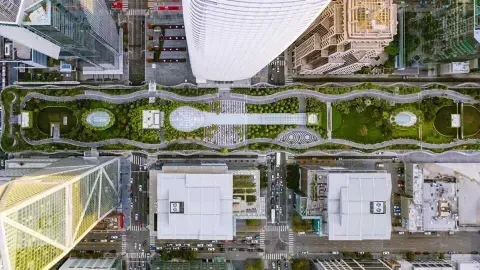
x=203 y=200
x=353 y=204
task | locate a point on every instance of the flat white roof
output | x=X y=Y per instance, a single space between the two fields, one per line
x=349 y=201
x=152 y=119
x=206 y=201
x=27 y=38
x=455 y=120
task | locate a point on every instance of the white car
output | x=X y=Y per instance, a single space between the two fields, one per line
x=427 y=233
x=451 y=232
x=249 y=238
x=211 y=249
x=209 y=245
x=178 y=245
x=186 y=245
x=335 y=252
x=401 y=232
x=114 y=237
x=194 y=249
x=385 y=252
x=136 y=216
x=305 y=252
x=139 y=187
x=199 y=245
x=274 y=265
x=254 y=241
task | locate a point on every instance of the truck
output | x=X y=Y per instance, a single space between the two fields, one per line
x=273 y=215
x=277 y=159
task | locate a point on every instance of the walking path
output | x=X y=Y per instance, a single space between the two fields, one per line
x=257 y=100
x=329 y=120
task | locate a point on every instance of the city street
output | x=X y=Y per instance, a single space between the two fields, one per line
x=136 y=40
x=461 y=242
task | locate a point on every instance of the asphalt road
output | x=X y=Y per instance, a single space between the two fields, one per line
x=462 y=242
x=136 y=42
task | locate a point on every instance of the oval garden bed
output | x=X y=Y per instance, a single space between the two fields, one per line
x=62 y=116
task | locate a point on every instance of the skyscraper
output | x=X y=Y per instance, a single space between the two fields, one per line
x=83 y=29
x=43 y=215
x=232 y=40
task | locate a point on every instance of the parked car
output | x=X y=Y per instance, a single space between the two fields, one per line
x=427 y=233
x=385 y=252
x=211 y=249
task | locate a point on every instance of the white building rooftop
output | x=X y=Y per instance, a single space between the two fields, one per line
x=195 y=206
x=359 y=206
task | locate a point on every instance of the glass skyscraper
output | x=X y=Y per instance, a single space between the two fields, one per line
x=232 y=40
x=43 y=215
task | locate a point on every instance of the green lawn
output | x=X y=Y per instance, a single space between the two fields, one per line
x=443 y=121
x=336 y=119
x=351 y=123
x=50 y=115
x=470 y=120
x=430 y=135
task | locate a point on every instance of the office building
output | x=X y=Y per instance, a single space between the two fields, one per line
x=44 y=214
x=354 y=203
x=100 y=264
x=79 y=29
x=347 y=36
x=230 y=40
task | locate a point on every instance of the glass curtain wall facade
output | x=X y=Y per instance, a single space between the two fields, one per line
x=232 y=40
x=45 y=214
x=83 y=28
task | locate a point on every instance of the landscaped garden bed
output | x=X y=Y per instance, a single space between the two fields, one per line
x=470 y=120
x=333 y=90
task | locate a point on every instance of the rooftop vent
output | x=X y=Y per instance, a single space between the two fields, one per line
x=377 y=207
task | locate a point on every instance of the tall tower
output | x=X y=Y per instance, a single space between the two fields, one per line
x=232 y=40
x=82 y=29
x=43 y=215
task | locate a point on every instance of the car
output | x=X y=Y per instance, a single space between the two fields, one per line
x=186 y=245
x=401 y=233
x=111 y=241
x=260 y=250
x=178 y=245
x=304 y=252
x=136 y=216
x=199 y=245
x=211 y=249
x=251 y=250
x=243 y=241
x=474 y=252
x=114 y=237
x=131 y=180
x=451 y=232
x=140 y=188
x=427 y=233
x=84 y=240
x=214 y=241
x=257 y=236
x=451 y=252
x=176 y=248
x=194 y=249
x=286 y=264
x=335 y=252
x=254 y=241
x=274 y=265
x=249 y=238
x=209 y=245
x=135 y=246
x=232 y=249
x=219 y=245
x=385 y=252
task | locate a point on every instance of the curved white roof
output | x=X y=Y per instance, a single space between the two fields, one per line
x=187 y=119
x=231 y=40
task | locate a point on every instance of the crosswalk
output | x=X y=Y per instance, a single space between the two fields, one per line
x=124 y=243
x=136 y=12
x=291 y=242
x=275 y=256
x=137 y=228
x=152 y=240
x=139 y=160
x=262 y=240
x=276 y=228
x=141 y=255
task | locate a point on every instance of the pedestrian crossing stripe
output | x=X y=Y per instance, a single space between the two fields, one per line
x=291 y=242
x=137 y=255
x=275 y=256
x=136 y=228
x=276 y=228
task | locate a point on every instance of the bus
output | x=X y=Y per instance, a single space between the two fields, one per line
x=273 y=215
x=277 y=159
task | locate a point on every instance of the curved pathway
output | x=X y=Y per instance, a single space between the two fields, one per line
x=256 y=100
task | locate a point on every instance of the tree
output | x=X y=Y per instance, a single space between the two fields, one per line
x=363 y=130
x=392 y=49
x=410 y=256
x=255 y=264
x=300 y=264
